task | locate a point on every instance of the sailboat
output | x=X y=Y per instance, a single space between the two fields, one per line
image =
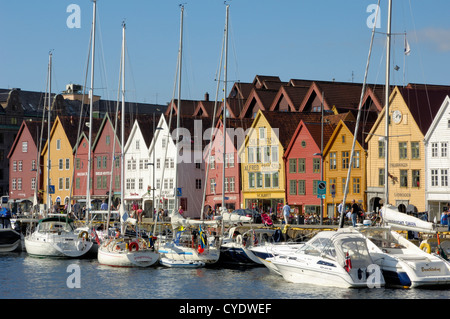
x=191 y=245
x=55 y=236
x=402 y=263
x=121 y=250
x=10 y=239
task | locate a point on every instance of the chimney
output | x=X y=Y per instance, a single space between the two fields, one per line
x=206 y=96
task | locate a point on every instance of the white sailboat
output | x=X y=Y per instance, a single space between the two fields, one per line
x=55 y=236
x=190 y=244
x=122 y=250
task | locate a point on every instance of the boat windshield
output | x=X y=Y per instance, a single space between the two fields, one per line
x=56 y=226
x=382 y=238
x=318 y=246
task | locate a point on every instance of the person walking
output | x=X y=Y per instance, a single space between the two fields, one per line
x=286 y=213
x=355 y=210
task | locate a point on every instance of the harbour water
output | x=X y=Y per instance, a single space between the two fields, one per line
x=26 y=277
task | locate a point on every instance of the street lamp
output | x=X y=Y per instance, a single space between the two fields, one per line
x=321 y=177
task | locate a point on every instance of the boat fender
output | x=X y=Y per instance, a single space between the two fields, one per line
x=239 y=239
x=425 y=247
x=133 y=244
x=84 y=234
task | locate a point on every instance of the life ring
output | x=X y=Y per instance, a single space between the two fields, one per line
x=133 y=244
x=84 y=234
x=425 y=247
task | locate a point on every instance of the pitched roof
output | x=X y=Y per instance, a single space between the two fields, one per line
x=424 y=103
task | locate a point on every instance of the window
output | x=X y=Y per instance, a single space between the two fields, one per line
x=251 y=154
x=231 y=159
x=259 y=180
x=444 y=177
x=415 y=178
x=99 y=182
x=274 y=154
x=33 y=183
x=33 y=164
x=262 y=133
x=133 y=164
x=24 y=147
x=67 y=183
x=267 y=179
x=232 y=184
x=415 y=150
x=356 y=159
x=434 y=149
x=293 y=187
x=345 y=159
x=198 y=183
x=14 y=166
x=275 y=180
x=356 y=185
x=158 y=163
x=301 y=187
x=116 y=181
x=61 y=183
x=251 y=180
x=434 y=177
x=212 y=162
x=99 y=163
x=58 y=144
x=163 y=142
x=292 y=165
x=226 y=184
x=212 y=183
x=301 y=165
x=403 y=178
x=403 y=150
x=444 y=147
x=61 y=164
x=316 y=165
x=14 y=184
x=137 y=144
x=141 y=183
x=266 y=154
x=333 y=161
x=67 y=163
x=381 y=177
x=77 y=163
x=77 y=183
x=20 y=166
x=343 y=139
x=258 y=154
x=108 y=140
x=381 y=149
x=19 y=184
x=315 y=186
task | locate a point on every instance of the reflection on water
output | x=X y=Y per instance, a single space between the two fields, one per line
x=25 y=277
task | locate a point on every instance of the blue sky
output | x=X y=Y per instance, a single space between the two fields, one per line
x=302 y=39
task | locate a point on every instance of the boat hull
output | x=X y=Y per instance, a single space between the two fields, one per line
x=182 y=253
x=46 y=247
x=236 y=254
x=10 y=240
x=181 y=263
x=141 y=258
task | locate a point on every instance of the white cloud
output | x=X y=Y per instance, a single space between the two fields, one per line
x=438 y=38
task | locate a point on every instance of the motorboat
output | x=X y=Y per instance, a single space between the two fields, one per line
x=269 y=250
x=191 y=241
x=56 y=237
x=238 y=244
x=402 y=262
x=331 y=258
x=10 y=238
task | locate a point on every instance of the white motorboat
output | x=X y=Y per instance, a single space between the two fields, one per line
x=127 y=252
x=264 y=252
x=331 y=258
x=402 y=262
x=56 y=237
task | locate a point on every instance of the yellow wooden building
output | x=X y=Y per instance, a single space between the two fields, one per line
x=406 y=156
x=337 y=154
x=62 y=138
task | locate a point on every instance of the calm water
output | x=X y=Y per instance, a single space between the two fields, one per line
x=25 y=277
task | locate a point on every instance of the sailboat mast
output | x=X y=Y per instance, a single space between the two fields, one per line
x=180 y=54
x=91 y=101
x=49 y=117
x=386 y=113
x=122 y=128
x=224 y=110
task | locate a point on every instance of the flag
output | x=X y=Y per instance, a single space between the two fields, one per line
x=407 y=48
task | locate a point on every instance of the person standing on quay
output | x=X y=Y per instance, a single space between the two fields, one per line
x=355 y=210
x=286 y=213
